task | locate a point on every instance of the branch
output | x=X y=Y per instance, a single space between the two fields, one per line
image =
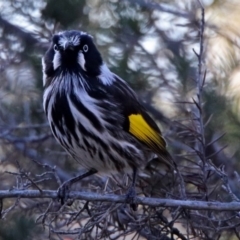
x=154 y=202
x=200 y=80
x=160 y=7
x=25 y=36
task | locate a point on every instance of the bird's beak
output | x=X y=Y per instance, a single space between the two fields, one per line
x=68 y=46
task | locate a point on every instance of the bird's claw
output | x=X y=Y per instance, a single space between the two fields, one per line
x=131 y=198
x=63 y=193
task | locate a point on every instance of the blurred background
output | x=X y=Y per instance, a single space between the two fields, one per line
x=150 y=45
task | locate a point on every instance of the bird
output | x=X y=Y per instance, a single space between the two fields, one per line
x=94 y=114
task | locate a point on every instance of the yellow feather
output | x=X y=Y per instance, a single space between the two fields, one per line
x=145 y=133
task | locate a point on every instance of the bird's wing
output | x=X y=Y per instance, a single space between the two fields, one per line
x=143 y=128
x=137 y=121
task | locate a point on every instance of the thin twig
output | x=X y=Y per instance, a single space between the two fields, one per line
x=200 y=82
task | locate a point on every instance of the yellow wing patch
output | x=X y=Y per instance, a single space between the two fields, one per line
x=145 y=133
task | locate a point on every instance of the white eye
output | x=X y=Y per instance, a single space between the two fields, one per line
x=55 y=47
x=85 y=48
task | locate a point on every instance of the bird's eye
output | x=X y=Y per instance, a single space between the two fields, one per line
x=56 y=47
x=85 y=48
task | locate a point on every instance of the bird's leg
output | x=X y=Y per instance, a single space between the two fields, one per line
x=63 y=190
x=131 y=194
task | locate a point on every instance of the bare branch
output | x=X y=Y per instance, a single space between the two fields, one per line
x=25 y=36
x=161 y=7
x=154 y=202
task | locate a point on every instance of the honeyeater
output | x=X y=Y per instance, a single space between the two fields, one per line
x=93 y=113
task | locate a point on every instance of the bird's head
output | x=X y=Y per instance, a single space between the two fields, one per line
x=71 y=50
x=74 y=52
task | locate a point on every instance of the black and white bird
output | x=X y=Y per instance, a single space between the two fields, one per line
x=93 y=113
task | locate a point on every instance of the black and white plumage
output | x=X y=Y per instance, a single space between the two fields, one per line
x=93 y=113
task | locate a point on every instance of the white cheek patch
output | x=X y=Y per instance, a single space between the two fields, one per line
x=56 y=60
x=43 y=70
x=81 y=61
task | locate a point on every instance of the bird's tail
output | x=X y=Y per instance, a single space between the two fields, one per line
x=160 y=175
x=162 y=163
